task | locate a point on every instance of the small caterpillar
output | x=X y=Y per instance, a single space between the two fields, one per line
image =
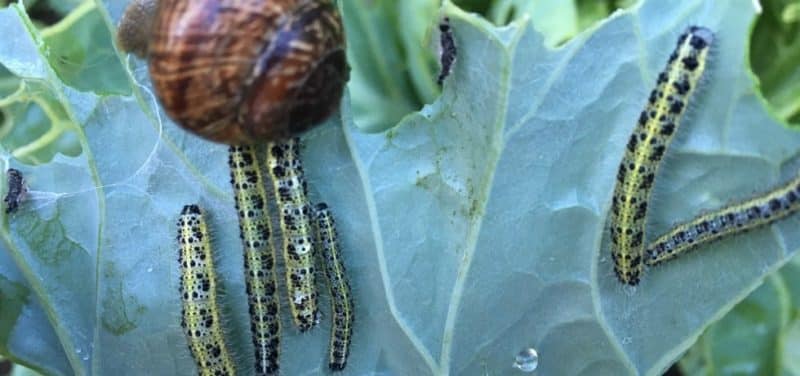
x=339 y=287
x=259 y=257
x=736 y=218
x=286 y=170
x=200 y=314
x=448 y=51
x=646 y=147
x=17 y=190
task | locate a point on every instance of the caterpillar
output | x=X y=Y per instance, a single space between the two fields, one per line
x=17 y=190
x=286 y=171
x=448 y=51
x=740 y=217
x=338 y=285
x=200 y=313
x=646 y=147
x=259 y=257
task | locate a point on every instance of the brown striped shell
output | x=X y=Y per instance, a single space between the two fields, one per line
x=248 y=71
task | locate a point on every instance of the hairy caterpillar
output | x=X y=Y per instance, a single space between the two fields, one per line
x=448 y=51
x=16 y=190
x=341 y=298
x=259 y=256
x=646 y=147
x=736 y=218
x=200 y=314
x=286 y=170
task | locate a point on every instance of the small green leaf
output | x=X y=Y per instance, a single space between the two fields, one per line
x=391 y=57
x=791 y=349
x=557 y=20
x=776 y=55
x=758 y=336
x=745 y=341
x=82 y=54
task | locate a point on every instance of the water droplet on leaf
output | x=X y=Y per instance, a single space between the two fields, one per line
x=527 y=360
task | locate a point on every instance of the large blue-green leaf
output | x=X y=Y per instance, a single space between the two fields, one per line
x=473 y=229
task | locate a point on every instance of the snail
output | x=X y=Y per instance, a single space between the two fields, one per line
x=239 y=72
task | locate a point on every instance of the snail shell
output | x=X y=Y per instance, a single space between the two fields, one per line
x=243 y=72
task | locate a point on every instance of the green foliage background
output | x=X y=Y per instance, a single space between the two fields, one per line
x=62 y=80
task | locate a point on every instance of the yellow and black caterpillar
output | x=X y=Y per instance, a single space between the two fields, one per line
x=200 y=313
x=286 y=171
x=339 y=287
x=755 y=212
x=259 y=257
x=646 y=147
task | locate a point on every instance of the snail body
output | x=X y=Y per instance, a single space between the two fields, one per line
x=133 y=34
x=245 y=72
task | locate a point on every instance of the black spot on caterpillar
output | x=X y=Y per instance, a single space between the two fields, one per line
x=448 y=51
x=734 y=219
x=286 y=171
x=200 y=315
x=646 y=147
x=17 y=190
x=338 y=285
x=259 y=257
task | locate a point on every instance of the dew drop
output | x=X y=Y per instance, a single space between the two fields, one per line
x=527 y=360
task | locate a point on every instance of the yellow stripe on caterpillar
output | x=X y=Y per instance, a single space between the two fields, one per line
x=734 y=219
x=646 y=147
x=338 y=285
x=286 y=171
x=200 y=313
x=259 y=257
